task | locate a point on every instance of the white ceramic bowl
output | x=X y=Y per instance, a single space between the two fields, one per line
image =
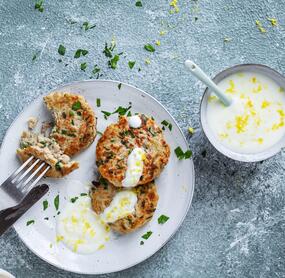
x=274 y=75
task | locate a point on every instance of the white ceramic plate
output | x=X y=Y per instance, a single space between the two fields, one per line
x=175 y=185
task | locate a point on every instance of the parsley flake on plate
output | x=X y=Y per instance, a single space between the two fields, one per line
x=56 y=202
x=30 y=222
x=98 y=102
x=61 y=50
x=76 y=105
x=149 y=48
x=166 y=124
x=106 y=114
x=147 y=235
x=45 y=204
x=73 y=200
x=182 y=155
x=162 y=219
x=119 y=86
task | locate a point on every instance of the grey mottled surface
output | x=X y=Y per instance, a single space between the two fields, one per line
x=236 y=225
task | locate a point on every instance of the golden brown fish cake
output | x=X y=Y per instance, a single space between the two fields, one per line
x=47 y=150
x=120 y=139
x=75 y=121
x=102 y=196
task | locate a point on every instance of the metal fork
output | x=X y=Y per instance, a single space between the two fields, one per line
x=20 y=186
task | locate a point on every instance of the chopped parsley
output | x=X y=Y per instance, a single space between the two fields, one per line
x=58 y=166
x=39 y=6
x=122 y=110
x=106 y=114
x=56 y=202
x=147 y=235
x=131 y=64
x=182 y=155
x=76 y=105
x=98 y=102
x=83 y=66
x=103 y=181
x=30 y=222
x=83 y=194
x=73 y=200
x=96 y=70
x=61 y=50
x=142 y=242
x=35 y=56
x=113 y=62
x=109 y=49
x=139 y=4
x=149 y=48
x=86 y=26
x=119 y=86
x=162 y=219
x=80 y=52
x=45 y=204
x=46 y=218
x=113 y=59
x=166 y=124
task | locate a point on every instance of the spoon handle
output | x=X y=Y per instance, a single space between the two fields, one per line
x=201 y=75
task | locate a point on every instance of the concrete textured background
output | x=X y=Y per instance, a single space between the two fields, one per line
x=236 y=225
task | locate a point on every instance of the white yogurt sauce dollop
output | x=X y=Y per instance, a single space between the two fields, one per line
x=135 y=167
x=256 y=119
x=135 y=121
x=80 y=229
x=122 y=205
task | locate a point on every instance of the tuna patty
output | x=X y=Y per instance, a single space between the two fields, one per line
x=118 y=141
x=103 y=194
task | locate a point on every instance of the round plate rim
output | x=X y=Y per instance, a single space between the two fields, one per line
x=190 y=161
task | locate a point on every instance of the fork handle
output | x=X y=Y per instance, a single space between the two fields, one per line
x=10 y=215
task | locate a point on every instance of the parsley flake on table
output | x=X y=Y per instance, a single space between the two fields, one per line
x=39 y=6
x=83 y=66
x=182 y=155
x=80 y=52
x=96 y=70
x=147 y=235
x=113 y=62
x=162 y=219
x=149 y=48
x=119 y=86
x=98 y=102
x=30 y=222
x=56 y=202
x=139 y=4
x=86 y=26
x=131 y=64
x=61 y=50
x=45 y=204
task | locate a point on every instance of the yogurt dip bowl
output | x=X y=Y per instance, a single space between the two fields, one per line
x=253 y=127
